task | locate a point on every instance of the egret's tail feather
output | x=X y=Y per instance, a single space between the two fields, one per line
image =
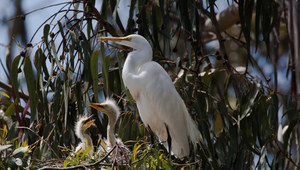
x=193 y=131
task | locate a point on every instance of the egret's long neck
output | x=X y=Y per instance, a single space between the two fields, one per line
x=136 y=59
x=133 y=62
x=110 y=131
x=87 y=139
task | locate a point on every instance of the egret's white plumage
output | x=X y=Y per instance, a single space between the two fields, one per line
x=159 y=104
x=81 y=126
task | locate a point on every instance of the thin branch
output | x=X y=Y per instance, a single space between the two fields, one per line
x=213 y=18
x=8 y=88
x=140 y=159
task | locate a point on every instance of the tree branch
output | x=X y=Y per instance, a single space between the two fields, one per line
x=8 y=88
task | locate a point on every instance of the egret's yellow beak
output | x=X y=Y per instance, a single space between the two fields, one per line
x=98 y=106
x=116 y=39
x=88 y=122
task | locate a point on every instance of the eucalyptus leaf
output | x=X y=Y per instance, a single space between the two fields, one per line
x=20 y=150
x=252 y=96
x=31 y=86
x=4 y=147
x=11 y=109
x=94 y=72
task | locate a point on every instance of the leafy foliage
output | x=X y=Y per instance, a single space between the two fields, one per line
x=237 y=112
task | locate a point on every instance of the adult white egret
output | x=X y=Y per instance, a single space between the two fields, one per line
x=111 y=109
x=81 y=126
x=160 y=106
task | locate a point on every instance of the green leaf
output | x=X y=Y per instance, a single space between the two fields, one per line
x=73 y=35
x=4 y=94
x=134 y=152
x=116 y=17
x=66 y=93
x=11 y=161
x=37 y=62
x=94 y=72
x=245 y=12
x=61 y=30
x=13 y=132
x=31 y=86
x=105 y=69
x=78 y=94
x=55 y=55
x=46 y=33
x=251 y=98
x=20 y=150
x=156 y=21
x=66 y=162
x=11 y=109
x=14 y=75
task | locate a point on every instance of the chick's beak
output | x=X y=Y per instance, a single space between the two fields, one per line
x=89 y=122
x=98 y=106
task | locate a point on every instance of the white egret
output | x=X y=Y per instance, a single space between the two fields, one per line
x=160 y=106
x=81 y=126
x=111 y=109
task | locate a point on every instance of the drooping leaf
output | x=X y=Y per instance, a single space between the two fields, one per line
x=46 y=33
x=105 y=74
x=252 y=96
x=11 y=109
x=20 y=150
x=4 y=94
x=14 y=75
x=4 y=147
x=31 y=86
x=94 y=72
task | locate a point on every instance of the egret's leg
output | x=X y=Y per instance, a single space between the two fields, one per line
x=169 y=140
x=151 y=135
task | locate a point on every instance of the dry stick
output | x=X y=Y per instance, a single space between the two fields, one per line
x=115 y=157
x=87 y=165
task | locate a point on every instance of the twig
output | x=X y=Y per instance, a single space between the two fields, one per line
x=27 y=128
x=187 y=164
x=115 y=157
x=140 y=159
x=213 y=18
x=8 y=88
